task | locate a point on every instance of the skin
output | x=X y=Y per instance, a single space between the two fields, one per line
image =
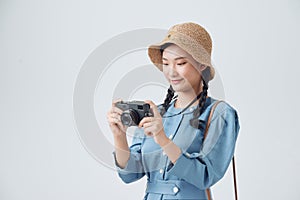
x=179 y=65
x=184 y=74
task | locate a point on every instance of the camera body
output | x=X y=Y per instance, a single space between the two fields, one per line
x=134 y=112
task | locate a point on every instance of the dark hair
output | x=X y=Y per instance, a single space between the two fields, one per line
x=170 y=93
x=195 y=122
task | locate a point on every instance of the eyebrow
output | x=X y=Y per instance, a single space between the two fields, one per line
x=178 y=58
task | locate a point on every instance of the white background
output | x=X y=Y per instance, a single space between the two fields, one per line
x=43 y=45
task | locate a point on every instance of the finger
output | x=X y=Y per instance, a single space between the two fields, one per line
x=123 y=127
x=145 y=120
x=116 y=128
x=153 y=108
x=148 y=133
x=147 y=125
x=109 y=117
x=116 y=101
x=115 y=120
x=116 y=115
x=116 y=110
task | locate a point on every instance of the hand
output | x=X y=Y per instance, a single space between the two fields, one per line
x=114 y=120
x=153 y=126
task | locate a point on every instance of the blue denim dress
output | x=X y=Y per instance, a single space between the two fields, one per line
x=200 y=165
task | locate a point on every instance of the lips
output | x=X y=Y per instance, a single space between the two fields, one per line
x=176 y=81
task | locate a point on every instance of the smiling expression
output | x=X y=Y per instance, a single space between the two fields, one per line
x=181 y=70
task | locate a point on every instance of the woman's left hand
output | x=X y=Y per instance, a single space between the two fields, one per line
x=153 y=126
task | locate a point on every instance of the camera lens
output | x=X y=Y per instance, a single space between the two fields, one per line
x=130 y=118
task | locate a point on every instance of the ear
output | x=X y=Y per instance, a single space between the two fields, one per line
x=202 y=67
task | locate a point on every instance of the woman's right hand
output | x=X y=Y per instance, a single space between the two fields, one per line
x=119 y=132
x=114 y=120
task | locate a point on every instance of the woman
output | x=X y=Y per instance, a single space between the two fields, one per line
x=168 y=148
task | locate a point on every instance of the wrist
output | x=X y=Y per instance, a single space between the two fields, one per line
x=162 y=139
x=119 y=137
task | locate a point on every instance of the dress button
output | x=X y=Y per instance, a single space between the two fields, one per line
x=161 y=171
x=175 y=189
x=171 y=136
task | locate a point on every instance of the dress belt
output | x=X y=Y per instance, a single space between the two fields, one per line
x=175 y=189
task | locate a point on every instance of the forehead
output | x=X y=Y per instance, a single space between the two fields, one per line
x=174 y=51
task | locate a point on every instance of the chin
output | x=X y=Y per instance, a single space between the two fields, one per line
x=178 y=88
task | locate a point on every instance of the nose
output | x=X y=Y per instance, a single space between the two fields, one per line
x=173 y=70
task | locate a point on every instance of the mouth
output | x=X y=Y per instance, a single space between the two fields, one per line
x=176 y=81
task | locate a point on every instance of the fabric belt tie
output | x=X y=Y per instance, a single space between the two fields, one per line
x=175 y=189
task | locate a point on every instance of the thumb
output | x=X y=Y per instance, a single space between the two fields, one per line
x=153 y=107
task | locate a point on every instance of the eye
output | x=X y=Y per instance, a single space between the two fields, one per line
x=165 y=64
x=182 y=63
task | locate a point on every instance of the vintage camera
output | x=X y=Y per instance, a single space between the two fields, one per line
x=134 y=112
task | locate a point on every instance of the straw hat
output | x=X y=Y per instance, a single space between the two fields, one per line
x=192 y=38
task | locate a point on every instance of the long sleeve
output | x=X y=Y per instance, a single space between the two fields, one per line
x=203 y=169
x=134 y=169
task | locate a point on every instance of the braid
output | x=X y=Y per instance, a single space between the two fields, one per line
x=203 y=98
x=170 y=94
x=195 y=122
x=168 y=99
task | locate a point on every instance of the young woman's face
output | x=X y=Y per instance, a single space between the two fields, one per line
x=181 y=70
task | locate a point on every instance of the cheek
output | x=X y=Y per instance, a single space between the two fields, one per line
x=192 y=75
x=189 y=73
x=165 y=72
